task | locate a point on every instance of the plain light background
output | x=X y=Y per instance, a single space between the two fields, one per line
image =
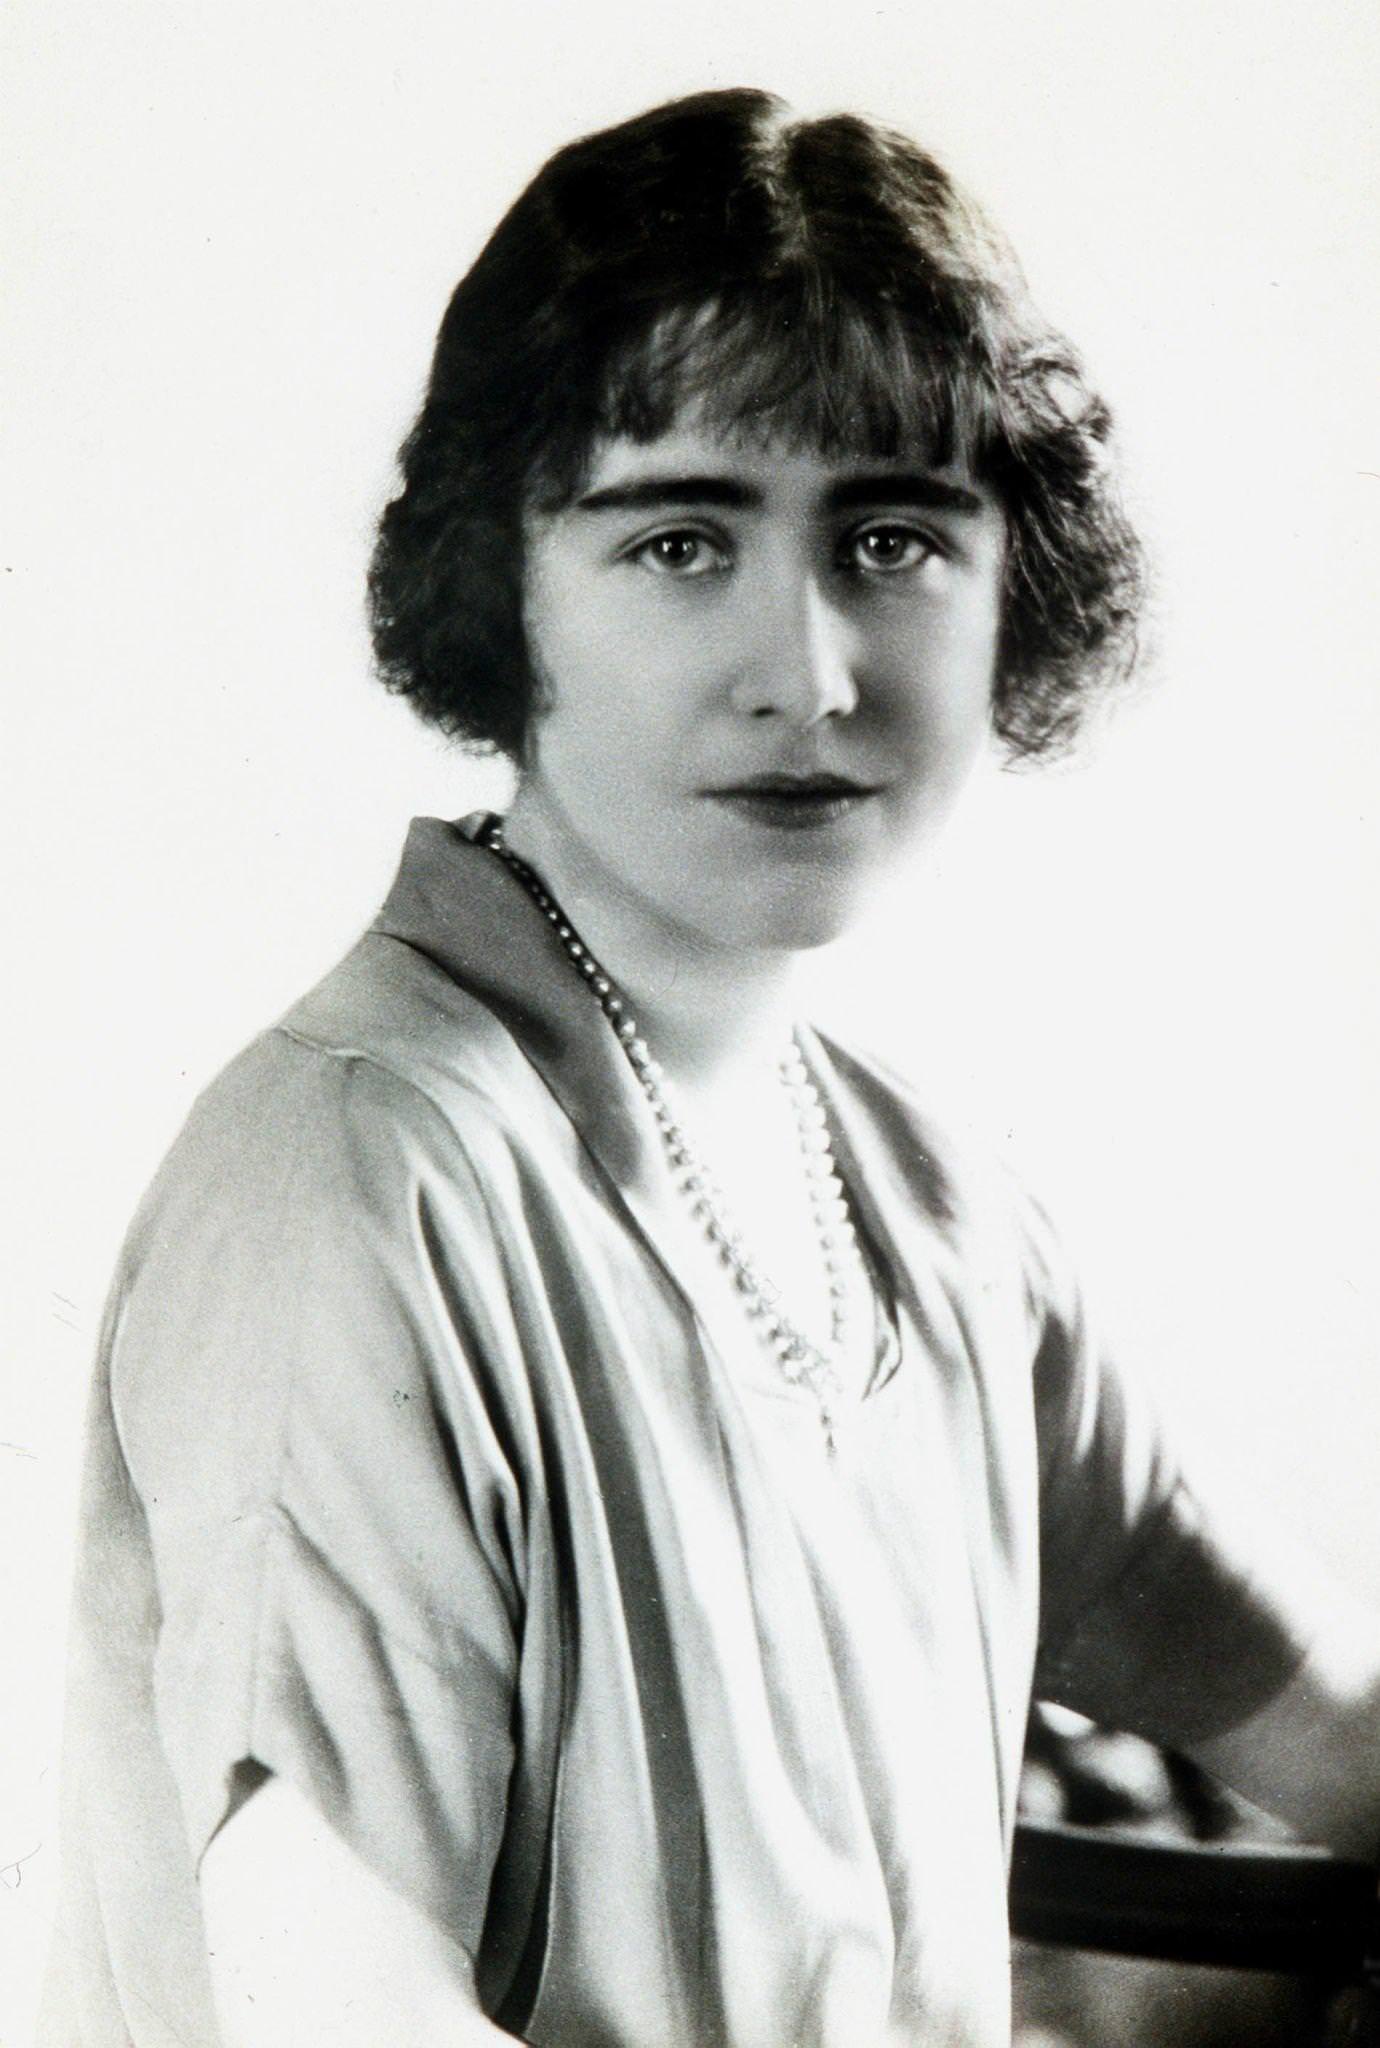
x=1150 y=978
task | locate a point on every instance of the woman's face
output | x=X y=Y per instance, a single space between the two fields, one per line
x=765 y=674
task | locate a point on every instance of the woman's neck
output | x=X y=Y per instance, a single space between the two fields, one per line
x=712 y=1014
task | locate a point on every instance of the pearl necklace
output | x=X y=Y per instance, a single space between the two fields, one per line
x=800 y=1360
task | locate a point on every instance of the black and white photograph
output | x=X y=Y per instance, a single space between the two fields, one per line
x=690 y=1354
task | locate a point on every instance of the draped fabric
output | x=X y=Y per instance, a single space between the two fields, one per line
x=424 y=1474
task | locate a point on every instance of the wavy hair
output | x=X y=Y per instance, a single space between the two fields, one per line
x=823 y=282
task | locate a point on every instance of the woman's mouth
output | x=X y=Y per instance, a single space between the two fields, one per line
x=794 y=802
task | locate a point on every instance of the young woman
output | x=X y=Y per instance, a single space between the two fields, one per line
x=585 y=1475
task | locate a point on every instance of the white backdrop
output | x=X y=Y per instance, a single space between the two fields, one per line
x=1152 y=978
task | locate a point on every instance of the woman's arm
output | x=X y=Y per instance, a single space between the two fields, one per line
x=1312 y=1754
x=307 y=1944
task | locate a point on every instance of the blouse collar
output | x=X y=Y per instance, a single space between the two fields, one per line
x=467 y=911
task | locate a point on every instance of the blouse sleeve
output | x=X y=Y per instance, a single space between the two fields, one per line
x=1166 y=1607
x=314 y=1391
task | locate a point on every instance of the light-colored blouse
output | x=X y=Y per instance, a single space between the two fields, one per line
x=418 y=1476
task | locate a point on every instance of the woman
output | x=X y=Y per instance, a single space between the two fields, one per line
x=584 y=1474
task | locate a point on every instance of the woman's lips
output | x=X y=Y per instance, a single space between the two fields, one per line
x=791 y=804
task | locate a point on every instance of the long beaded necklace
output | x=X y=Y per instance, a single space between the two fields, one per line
x=801 y=1361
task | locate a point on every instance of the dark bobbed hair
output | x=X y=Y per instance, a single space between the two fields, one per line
x=822 y=282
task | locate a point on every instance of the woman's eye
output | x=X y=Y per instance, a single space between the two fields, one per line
x=681 y=553
x=886 y=549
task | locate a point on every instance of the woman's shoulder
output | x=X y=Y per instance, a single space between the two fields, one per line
x=310 y=1174
x=285 y=1247
x=391 y=1011
x=384 y=1063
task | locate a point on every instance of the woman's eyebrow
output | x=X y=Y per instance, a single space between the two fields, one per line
x=882 y=487
x=892 y=487
x=640 y=492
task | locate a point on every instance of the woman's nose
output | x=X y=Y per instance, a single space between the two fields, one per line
x=801 y=667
